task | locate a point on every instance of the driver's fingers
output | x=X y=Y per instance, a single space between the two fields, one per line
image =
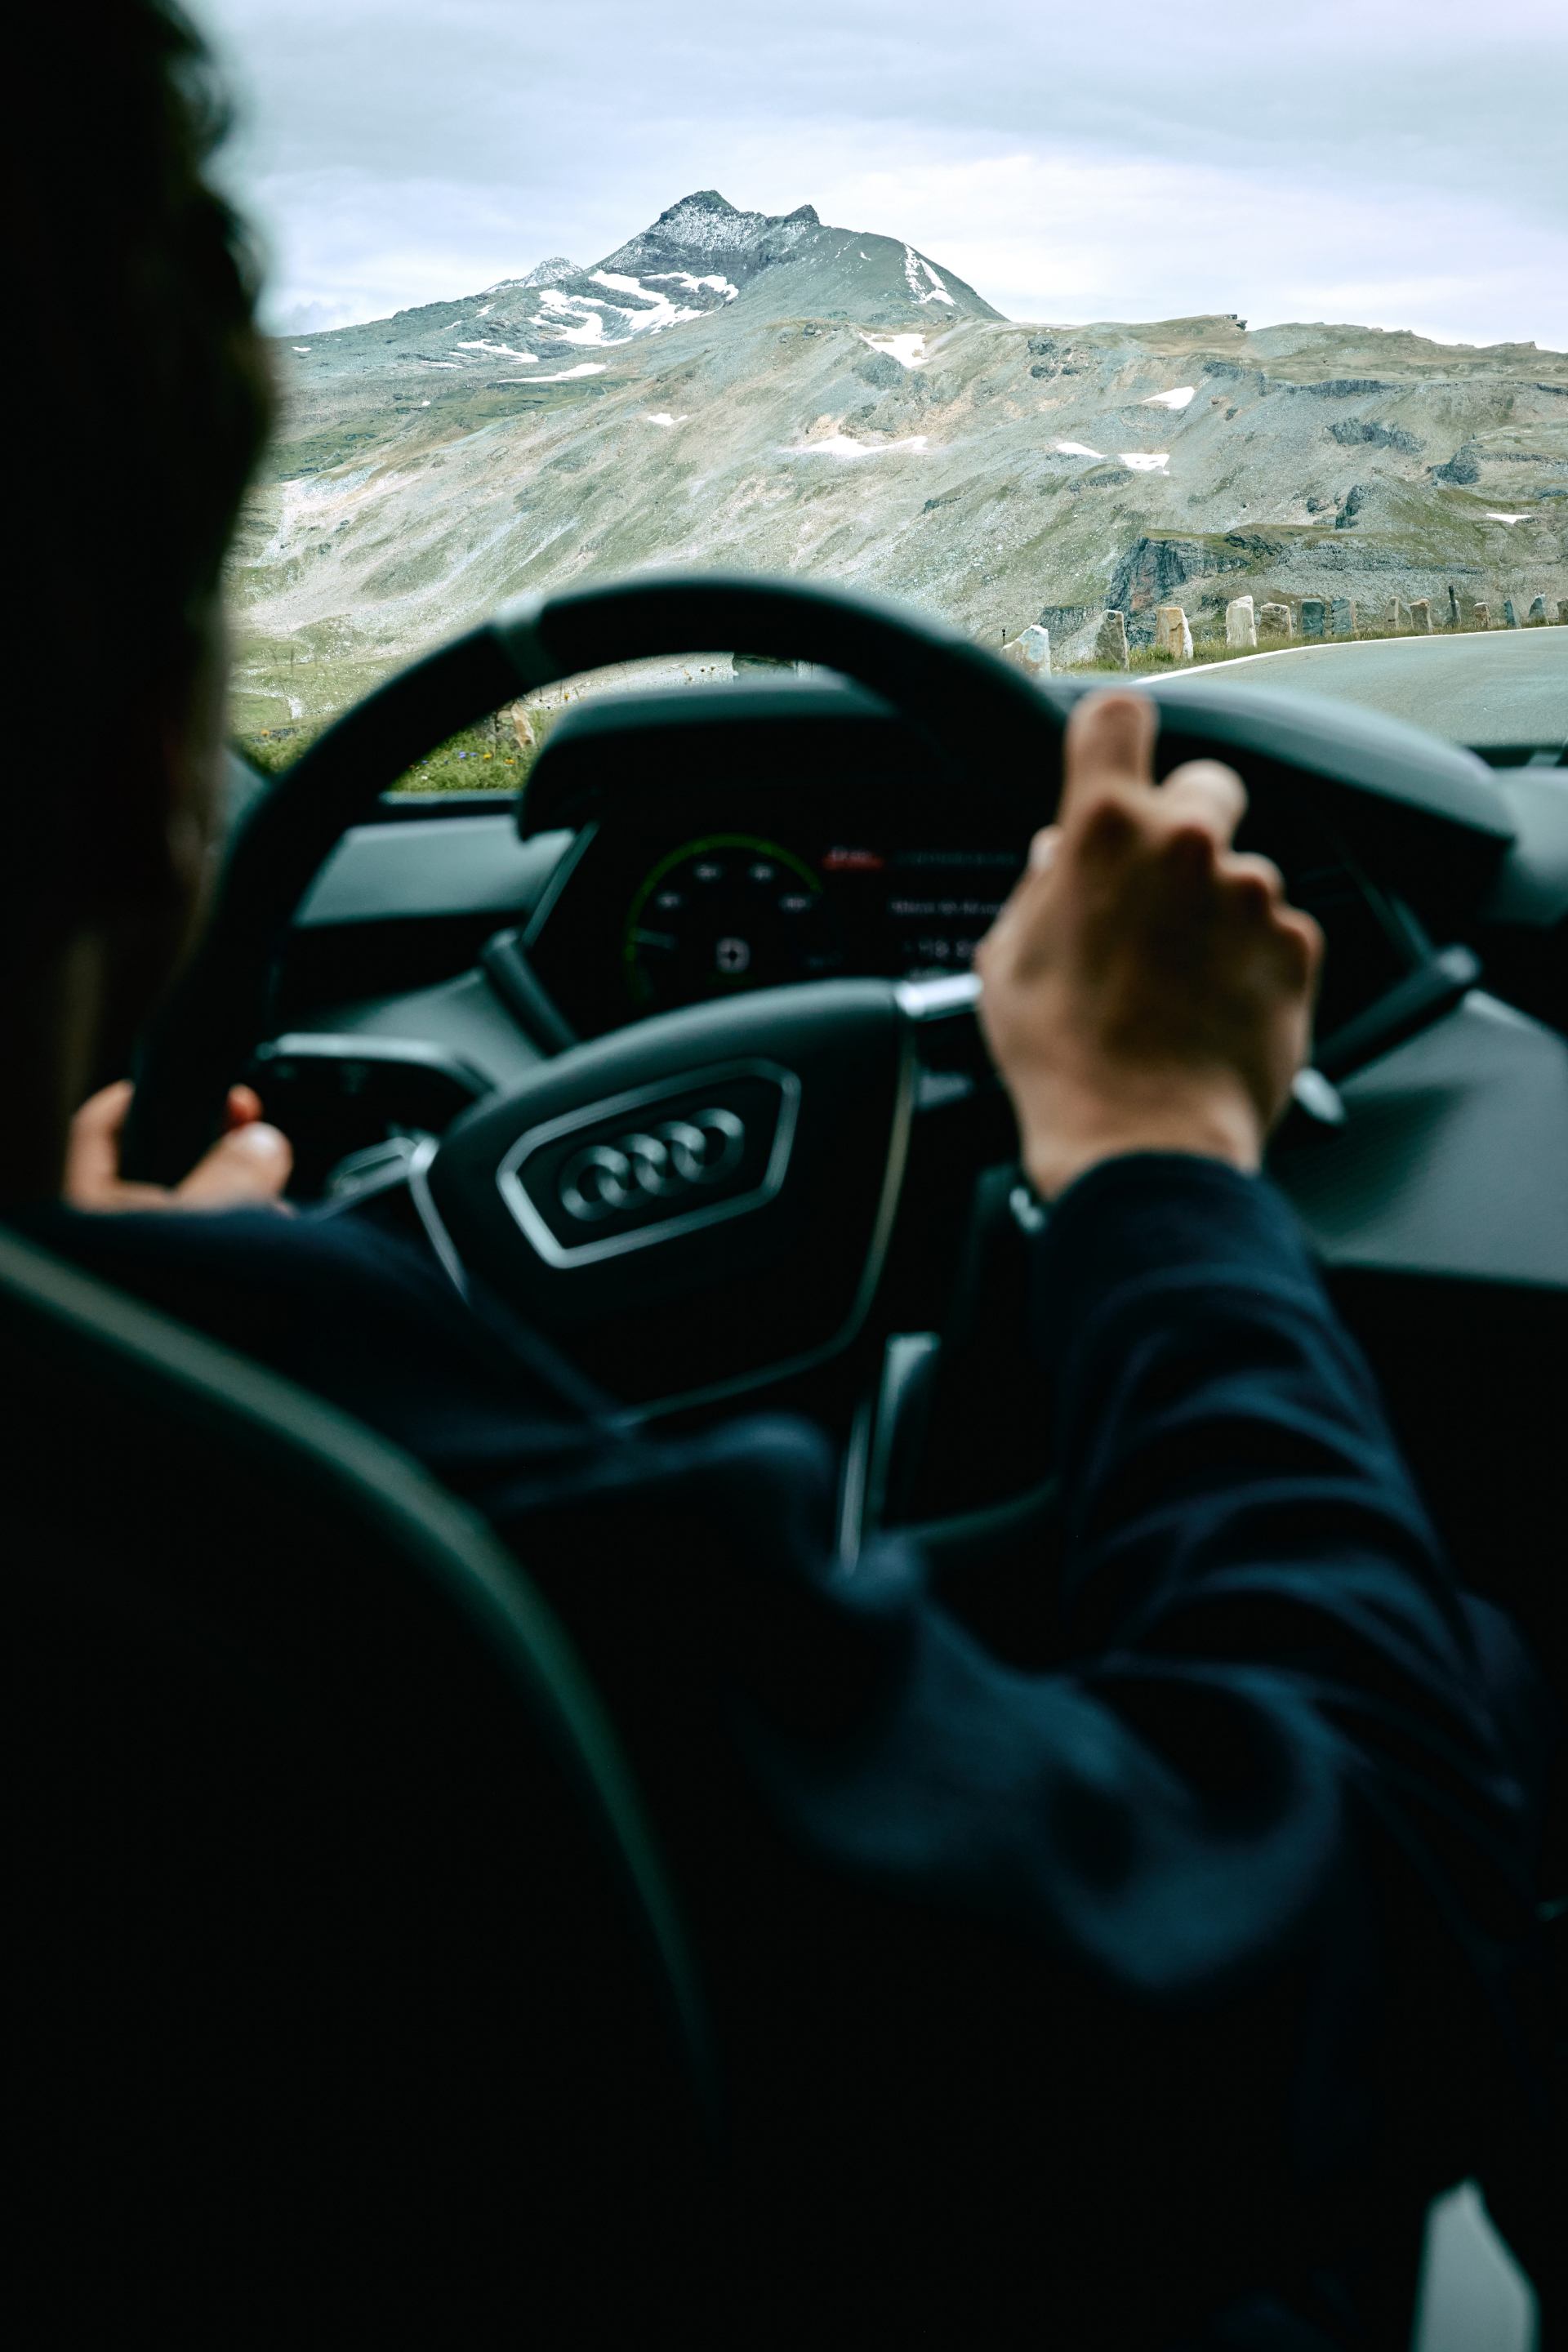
x=1109 y=743
x=243 y=1107
x=1043 y=848
x=1207 y=793
x=251 y=1164
x=1255 y=883
x=95 y=1136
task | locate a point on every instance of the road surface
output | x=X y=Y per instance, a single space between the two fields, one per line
x=1502 y=687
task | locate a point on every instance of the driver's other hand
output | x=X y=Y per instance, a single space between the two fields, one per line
x=1145 y=988
x=248 y=1165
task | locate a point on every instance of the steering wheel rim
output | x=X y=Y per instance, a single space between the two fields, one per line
x=213 y=1015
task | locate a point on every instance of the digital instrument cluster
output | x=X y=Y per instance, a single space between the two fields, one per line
x=733 y=910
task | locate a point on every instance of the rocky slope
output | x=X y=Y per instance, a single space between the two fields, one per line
x=734 y=388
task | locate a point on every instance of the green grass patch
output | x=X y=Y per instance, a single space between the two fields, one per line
x=485 y=757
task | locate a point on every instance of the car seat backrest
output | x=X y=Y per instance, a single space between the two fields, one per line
x=351 y=1997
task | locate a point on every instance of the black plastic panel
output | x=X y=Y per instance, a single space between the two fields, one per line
x=1453 y=1160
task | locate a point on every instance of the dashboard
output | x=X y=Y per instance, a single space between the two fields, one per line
x=712 y=866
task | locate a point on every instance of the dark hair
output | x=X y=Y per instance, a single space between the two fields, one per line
x=139 y=401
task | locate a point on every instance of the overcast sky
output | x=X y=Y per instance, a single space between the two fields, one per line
x=1395 y=162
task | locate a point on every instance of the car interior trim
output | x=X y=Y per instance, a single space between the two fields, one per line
x=514 y=1192
x=431 y=1219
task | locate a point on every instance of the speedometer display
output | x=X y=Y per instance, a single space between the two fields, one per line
x=728 y=911
x=736 y=910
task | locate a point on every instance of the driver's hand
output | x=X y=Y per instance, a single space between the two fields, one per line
x=248 y=1165
x=1145 y=988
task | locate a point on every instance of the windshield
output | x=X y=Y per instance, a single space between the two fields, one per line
x=1232 y=338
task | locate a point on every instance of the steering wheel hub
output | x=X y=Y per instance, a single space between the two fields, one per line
x=701 y=1203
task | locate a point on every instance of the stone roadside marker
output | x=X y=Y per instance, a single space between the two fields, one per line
x=1537 y=612
x=1274 y=621
x=1483 y=616
x=1343 y=612
x=1314 y=617
x=1031 y=650
x=1510 y=618
x=1421 y=616
x=1240 y=622
x=1110 y=641
x=1562 y=612
x=1398 y=615
x=1173 y=633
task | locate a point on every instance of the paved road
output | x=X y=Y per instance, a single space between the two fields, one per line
x=1506 y=687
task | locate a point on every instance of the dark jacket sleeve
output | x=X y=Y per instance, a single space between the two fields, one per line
x=1264 y=1831
x=1261 y=1638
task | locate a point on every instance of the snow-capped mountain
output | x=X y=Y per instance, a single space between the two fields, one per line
x=696 y=259
x=743 y=388
x=702 y=254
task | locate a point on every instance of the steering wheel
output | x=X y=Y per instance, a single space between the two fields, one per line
x=705 y=1200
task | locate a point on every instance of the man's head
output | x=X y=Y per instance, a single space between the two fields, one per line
x=135 y=422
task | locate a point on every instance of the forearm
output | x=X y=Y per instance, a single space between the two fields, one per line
x=1238 y=1510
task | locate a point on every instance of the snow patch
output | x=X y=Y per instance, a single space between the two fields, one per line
x=908 y=350
x=916 y=267
x=303 y=350
x=585 y=310
x=503 y=351
x=587 y=367
x=1079 y=449
x=1146 y=461
x=714 y=285
x=843 y=447
x=1490 y=517
x=488 y=309
x=651 y=315
x=663 y=416
x=1183 y=393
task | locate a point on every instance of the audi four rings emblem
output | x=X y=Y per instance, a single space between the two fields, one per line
x=656 y=1163
x=663 y=1161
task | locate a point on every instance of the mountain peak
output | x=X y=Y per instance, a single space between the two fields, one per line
x=707 y=225
x=704 y=200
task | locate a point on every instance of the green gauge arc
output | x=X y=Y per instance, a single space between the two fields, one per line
x=636 y=979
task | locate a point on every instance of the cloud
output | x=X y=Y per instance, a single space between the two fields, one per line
x=1282 y=165
x=1079 y=235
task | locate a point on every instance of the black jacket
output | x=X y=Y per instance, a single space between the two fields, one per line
x=1191 y=1967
